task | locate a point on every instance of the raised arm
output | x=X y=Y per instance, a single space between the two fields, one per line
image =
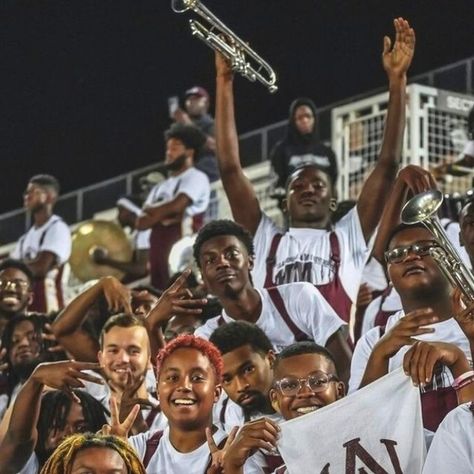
x=242 y=198
x=21 y=436
x=396 y=62
x=68 y=325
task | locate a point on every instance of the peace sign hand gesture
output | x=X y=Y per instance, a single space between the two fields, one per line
x=397 y=60
x=217 y=454
x=116 y=428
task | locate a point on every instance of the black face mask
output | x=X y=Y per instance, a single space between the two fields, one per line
x=177 y=164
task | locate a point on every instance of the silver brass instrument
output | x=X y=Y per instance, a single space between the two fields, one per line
x=91 y=235
x=422 y=208
x=242 y=58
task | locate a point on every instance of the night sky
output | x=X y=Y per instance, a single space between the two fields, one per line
x=84 y=84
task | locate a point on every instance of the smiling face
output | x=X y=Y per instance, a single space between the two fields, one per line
x=308 y=196
x=248 y=377
x=98 y=460
x=225 y=265
x=15 y=291
x=415 y=274
x=305 y=401
x=187 y=389
x=125 y=353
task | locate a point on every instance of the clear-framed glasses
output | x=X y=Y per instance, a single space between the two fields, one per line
x=14 y=285
x=316 y=382
x=398 y=254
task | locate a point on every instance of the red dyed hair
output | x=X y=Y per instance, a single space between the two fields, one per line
x=206 y=348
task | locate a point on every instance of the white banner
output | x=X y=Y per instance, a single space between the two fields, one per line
x=377 y=429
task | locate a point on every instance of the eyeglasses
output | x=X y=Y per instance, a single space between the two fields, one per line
x=398 y=254
x=316 y=382
x=15 y=285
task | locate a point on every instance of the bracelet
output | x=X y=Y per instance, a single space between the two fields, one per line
x=463 y=379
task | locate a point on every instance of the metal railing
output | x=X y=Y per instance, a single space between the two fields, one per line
x=255 y=147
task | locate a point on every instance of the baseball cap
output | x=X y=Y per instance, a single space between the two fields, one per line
x=197 y=90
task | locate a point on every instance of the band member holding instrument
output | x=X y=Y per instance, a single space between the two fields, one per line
x=311 y=250
x=46 y=247
x=181 y=198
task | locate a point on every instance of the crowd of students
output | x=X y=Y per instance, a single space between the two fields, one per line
x=198 y=375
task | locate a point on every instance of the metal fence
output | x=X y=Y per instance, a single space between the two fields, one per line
x=255 y=147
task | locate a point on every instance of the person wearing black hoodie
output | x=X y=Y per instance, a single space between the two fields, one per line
x=301 y=145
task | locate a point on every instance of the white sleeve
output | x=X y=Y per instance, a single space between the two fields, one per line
x=354 y=252
x=57 y=240
x=255 y=464
x=142 y=240
x=374 y=275
x=195 y=186
x=150 y=199
x=138 y=443
x=368 y=320
x=452 y=448
x=311 y=312
x=360 y=357
x=15 y=253
x=469 y=148
x=207 y=328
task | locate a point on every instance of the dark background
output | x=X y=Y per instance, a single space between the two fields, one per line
x=84 y=84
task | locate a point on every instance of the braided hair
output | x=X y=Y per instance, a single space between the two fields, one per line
x=62 y=459
x=55 y=408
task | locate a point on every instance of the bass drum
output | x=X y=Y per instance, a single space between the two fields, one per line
x=91 y=235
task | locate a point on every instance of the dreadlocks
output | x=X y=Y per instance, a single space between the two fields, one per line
x=55 y=408
x=62 y=459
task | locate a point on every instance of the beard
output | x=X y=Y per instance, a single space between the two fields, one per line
x=258 y=405
x=177 y=164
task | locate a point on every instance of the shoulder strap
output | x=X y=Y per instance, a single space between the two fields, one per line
x=151 y=447
x=271 y=260
x=335 y=249
x=222 y=412
x=277 y=300
x=152 y=415
x=43 y=235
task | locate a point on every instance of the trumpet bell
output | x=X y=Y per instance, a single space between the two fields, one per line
x=91 y=235
x=422 y=206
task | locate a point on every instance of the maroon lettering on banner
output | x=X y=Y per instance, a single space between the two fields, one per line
x=355 y=450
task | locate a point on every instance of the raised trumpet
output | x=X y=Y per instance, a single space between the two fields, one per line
x=237 y=52
x=423 y=208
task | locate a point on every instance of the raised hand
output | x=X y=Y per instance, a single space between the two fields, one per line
x=117 y=295
x=223 y=68
x=417 y=179
x=397 y=59
x=217 y=454
x=403 y=332
x=176 y=300
x=65 y=375
x=48 y=335
x=259 y=434
x=421 y=358
x=464 y=314
x=117 y=428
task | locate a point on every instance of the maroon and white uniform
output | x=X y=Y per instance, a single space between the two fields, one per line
x=53 y=236
x=305 y=315
x=195 y=185
x=331 y=260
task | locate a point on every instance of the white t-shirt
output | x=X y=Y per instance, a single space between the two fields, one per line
x=445 y=331
x=452 y=448
x=193 y=183
x=309 y=311
x=53 y=236
x=166 y=459
x=304 y=254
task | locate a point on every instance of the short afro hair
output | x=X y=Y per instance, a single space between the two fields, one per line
x=222 y=227
x=190 y=341
x=231 y=336
x=304 y=347
x=17 y=265
x=400 y=228
x=191 y=137
x=46 y=181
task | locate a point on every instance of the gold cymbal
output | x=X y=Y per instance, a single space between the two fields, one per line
x=98 y=234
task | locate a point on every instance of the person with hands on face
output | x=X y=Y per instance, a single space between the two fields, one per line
x=427 y=316
x=40 y=422
x=311 y=249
